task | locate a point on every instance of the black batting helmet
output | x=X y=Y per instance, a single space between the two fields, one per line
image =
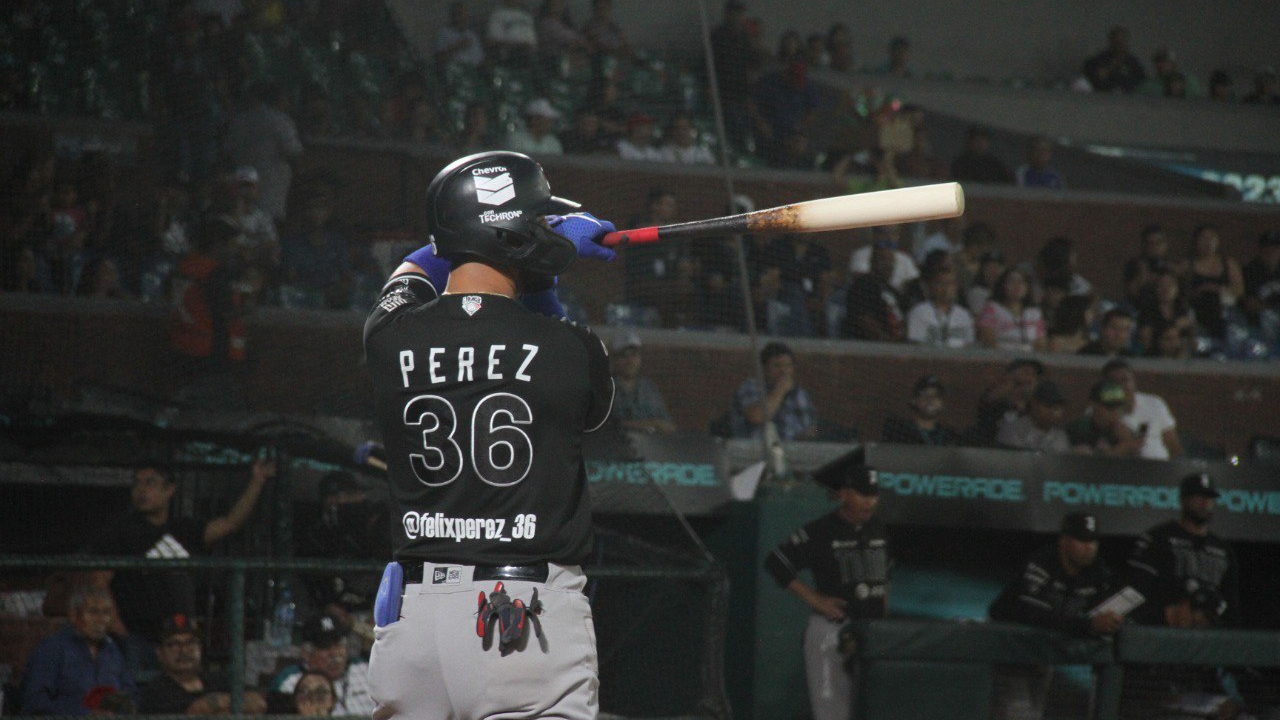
x=488 y=207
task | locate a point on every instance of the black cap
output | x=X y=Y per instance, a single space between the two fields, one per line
x=1048 y=393
x=849 y=471
x=1081 y=526
x=1199 y=484
x=178 y=624
x=323 y=631
x=926 y=382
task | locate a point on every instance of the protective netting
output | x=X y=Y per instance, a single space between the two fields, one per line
x=178 y=294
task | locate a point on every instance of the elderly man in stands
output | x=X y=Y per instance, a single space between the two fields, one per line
x=1147 y=415
x=81 y=657
x=637 y=404
x=183 y=686
x=782 y=403
x=1040 y=426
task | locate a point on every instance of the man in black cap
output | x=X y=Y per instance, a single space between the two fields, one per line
x=847 y=551
x=183 y=687
x=1040 y=426
x=324 y=650
x=1189 y=576
x=923 y=427
x=1058 y=587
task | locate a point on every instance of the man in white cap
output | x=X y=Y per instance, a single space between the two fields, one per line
x=536 y=138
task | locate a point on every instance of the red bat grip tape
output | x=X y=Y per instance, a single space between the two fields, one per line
x=631 y=237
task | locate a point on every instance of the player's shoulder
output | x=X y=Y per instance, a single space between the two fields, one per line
x=580 y=333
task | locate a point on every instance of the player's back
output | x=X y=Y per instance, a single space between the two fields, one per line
x=482 y=405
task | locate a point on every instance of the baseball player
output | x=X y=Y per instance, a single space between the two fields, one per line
x=847 y=551
x=482 y=405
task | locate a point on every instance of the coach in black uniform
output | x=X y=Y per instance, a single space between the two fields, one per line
x=1189 y=576
x=1058 y=587
x=847 y=551
x=482 y=405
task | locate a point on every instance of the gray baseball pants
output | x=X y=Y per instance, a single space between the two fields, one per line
x=831 y=686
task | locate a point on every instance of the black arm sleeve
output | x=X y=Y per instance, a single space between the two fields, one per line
x=788 y=559
x=402 y=291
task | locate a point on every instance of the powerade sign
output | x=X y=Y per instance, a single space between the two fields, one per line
x=666 y=474
x=633 y=473
x=969 y=487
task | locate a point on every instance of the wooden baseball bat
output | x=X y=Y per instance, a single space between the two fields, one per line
x=845 y=212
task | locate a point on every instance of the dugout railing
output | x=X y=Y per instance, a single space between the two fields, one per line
x=233 y=574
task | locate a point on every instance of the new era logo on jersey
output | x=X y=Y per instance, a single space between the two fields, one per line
x=495 y=190
x=471 y=304
x=446 y=575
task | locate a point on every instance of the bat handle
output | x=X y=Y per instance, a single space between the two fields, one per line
x=630 y=237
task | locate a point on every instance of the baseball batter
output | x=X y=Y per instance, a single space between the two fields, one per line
x=482 y=405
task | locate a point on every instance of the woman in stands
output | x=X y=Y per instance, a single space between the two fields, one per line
x=990 y=268
x=1214 y=281
x=1010 y=320
x=1162 y=303
x=1071 y=321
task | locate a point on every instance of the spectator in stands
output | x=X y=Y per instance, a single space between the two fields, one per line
x=815 y=51
x=189 y=94
x=154 y=235
x=604 y=36
x=947 y=235
x=1058 y=587
x=1261 y=300
x=1039 y=427
x=679 y=143
x=1099 y=430
x=1214 y=281
x=511 y=35
x=781 y=402
x=587 y=136
x=316 y=120
x=1057 y=263
x=422 y=126
x=560 y=37
x=867 y=171
x=314 y=695
x=639 y=142
x=651 y=269
x=795 y=153
x=1188 y=574
x=940 y=320
x=101 y=279
x=919 y=161
x=264 y=137
x=1266 y=89
x=476 y=135
x=790 y=48
x=207 y=318
x=787 y=100
x=1007 y=394
x=1010 y=320
x=316 y=266
x=1069 y=331
x=977 y=163
x=71 y=662
x=781 y=306
x=536 y=137
x=20 y=269
x=324 y=650
x=1160 y=304
x=1115 y=69
x=1037 y=172
x=350 y=524
x=1153 y=258
x=805 y=272
x=1115 y=336
x=904 y=268
x=150 y=529
x=874 y=305
x=738 y=59
x=990 y=269
x=839 y=48
x=637 y=404
x=1147 y=415
x=258 y=242
x=923 y=426
x=898 y=63
x=397 y=110
x=1170 y=341
x=65 y=251
x=183 y=687
x=1221 y=86
x=457 y=42
x=1167 y=80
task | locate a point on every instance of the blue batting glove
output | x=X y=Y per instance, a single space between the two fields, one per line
x=585 y=230
x=436 y=267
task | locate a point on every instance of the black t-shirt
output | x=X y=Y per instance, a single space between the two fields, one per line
x=1043 y=594
x=146 y=597
x=847 y=561
x=1169 y=564
x=164 y=696
x=1262 y=283
x=867 y=296
x=482 y=405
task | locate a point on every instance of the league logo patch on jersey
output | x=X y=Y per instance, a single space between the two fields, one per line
x=471 y=304
x=495 y=190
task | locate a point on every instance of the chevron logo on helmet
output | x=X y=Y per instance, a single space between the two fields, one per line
x=495 y=190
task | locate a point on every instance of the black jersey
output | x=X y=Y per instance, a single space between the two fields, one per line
x=482 y=405
x=847 y=561
x=1169 y=564
x=1046 y=596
